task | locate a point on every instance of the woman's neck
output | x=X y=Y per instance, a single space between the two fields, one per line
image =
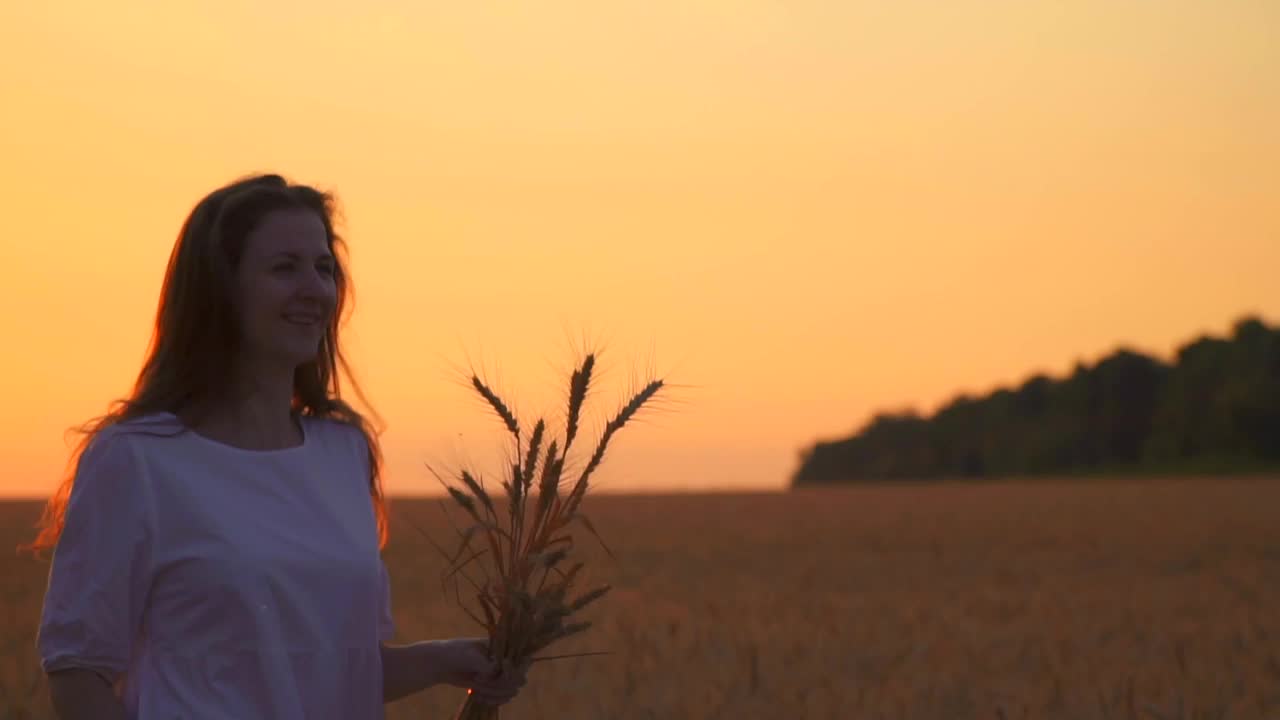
x=253 y=416
x=248 y=432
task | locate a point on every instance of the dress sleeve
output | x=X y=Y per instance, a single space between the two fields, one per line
x=101 y=567
x=386 y=625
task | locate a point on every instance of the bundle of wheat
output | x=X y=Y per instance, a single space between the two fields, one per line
x=525 y=595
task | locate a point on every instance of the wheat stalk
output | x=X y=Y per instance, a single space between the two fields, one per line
x=525 y=605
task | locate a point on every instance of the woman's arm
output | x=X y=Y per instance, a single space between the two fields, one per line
x=83 y=695
x=460 y=662
x=407 y=669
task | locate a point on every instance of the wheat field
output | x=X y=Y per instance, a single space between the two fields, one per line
x=1136 y=599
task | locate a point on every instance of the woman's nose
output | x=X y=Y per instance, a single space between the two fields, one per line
x=319 y=285
x=320 y=281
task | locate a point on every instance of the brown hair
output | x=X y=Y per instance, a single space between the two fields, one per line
x=196 y=332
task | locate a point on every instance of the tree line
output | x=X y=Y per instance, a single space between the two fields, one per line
x=1214 y=409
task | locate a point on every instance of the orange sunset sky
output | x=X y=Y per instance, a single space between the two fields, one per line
x=801 y=212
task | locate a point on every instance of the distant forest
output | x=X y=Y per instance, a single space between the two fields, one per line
x=1216 y=409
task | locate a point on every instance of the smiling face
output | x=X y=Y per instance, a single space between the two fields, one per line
x=285 y=289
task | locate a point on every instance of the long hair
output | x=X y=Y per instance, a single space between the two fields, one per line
x=196 y=333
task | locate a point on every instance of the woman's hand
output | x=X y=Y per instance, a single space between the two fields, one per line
x=465 y=663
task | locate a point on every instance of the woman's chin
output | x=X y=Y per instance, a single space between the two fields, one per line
x=298 y=356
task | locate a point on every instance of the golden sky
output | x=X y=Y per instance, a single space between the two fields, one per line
x=799 y=211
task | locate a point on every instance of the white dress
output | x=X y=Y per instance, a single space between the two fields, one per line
x=226 y=584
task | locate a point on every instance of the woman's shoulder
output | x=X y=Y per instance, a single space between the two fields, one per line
x=150 y=421
x=337 y=429
x=117 y=448
x=154 y=424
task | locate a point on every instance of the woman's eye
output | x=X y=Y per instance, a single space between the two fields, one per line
x=288 y=267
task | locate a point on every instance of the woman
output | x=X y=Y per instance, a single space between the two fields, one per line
x=217 y=548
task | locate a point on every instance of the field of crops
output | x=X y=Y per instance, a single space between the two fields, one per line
x=1153 y=599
